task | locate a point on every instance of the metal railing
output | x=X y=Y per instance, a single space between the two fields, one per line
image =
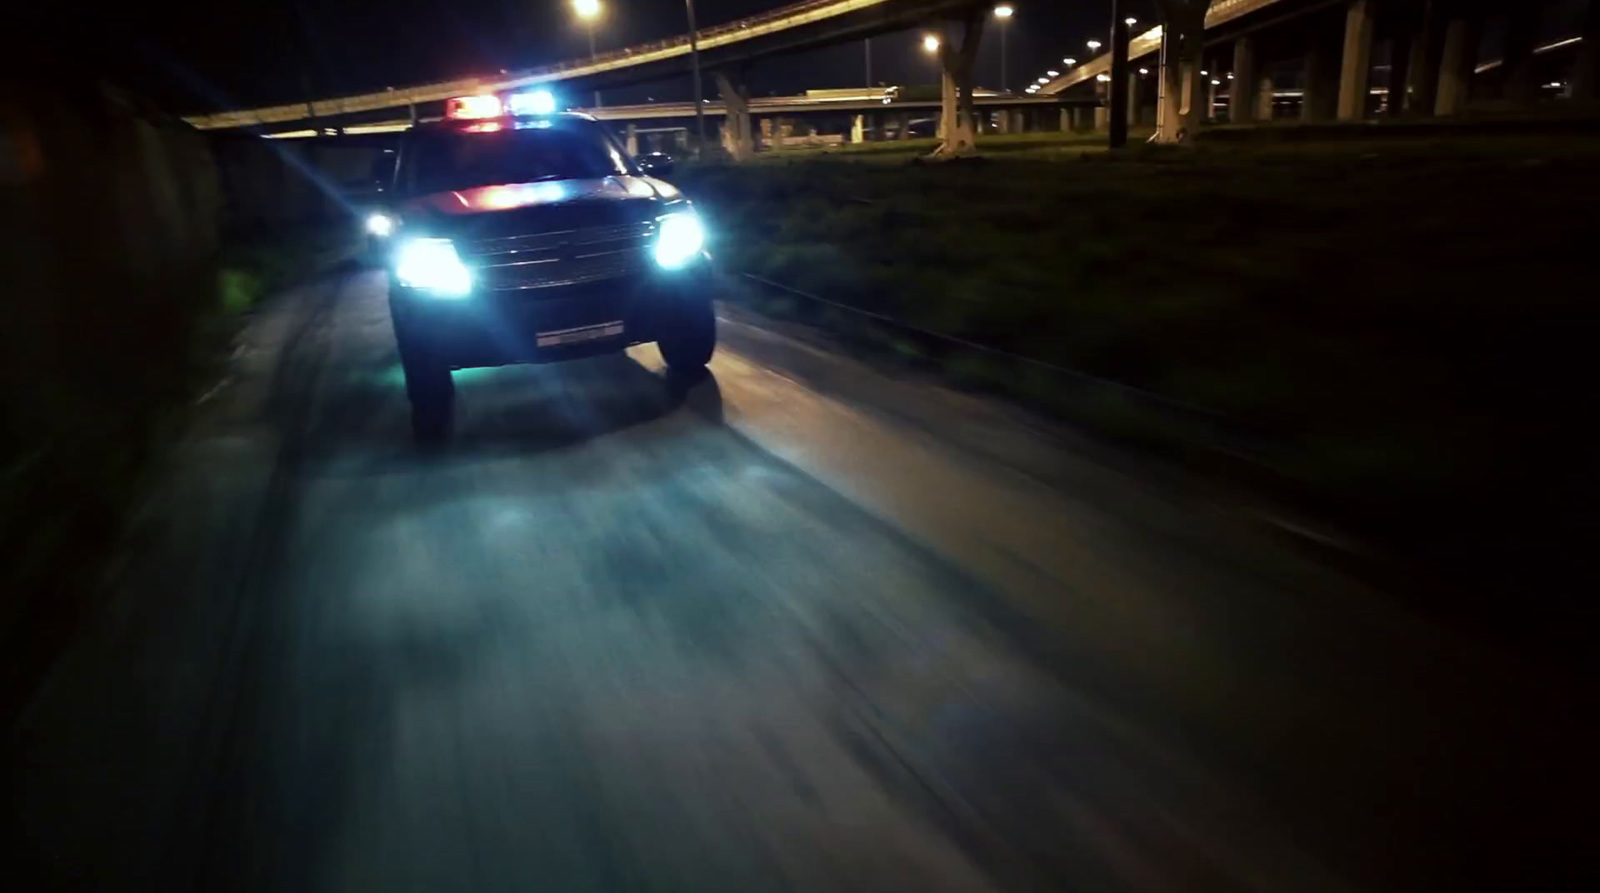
x=1220 y=12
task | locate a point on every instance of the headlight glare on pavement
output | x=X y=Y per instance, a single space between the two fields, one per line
x=433 y=266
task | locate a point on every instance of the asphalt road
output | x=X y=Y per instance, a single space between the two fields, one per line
x=801 y=626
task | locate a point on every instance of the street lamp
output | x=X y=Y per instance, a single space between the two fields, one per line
x=930 y=43
x=1093 y=45
x=1003 y=12
x=1130 y=21
x=1069 y=61
x=589 y=12
x=694 y=68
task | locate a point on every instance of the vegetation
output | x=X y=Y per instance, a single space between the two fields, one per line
x=1391 y=329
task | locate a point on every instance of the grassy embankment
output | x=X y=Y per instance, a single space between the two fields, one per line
x=1394 y=327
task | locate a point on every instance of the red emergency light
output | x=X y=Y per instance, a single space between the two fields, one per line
x=486 y=105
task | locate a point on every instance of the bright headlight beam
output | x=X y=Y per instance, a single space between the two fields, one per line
x=380 y=224
x=433 y=266
x=679 y=239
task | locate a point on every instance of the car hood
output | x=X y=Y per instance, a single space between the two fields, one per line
x=507 y=209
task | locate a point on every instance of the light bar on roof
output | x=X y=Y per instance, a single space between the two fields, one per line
x=486 y=105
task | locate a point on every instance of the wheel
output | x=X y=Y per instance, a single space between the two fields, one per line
x=433 y=399
x=690 y=336
x=428 y=385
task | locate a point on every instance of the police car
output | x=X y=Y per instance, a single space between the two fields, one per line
x=519 y=234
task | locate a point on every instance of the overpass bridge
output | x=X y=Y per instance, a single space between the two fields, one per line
x=1324 y=52
x=723 y=48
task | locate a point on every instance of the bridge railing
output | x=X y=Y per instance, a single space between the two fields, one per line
x=783 y=18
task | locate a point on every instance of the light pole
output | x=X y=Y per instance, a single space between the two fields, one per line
x=1003 y=12
x=867 y=49
x=694 y=66
x=589 y=12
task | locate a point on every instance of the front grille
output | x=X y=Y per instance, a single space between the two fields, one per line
x=568 y=257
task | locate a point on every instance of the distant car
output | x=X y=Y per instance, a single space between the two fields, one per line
x=534 y=238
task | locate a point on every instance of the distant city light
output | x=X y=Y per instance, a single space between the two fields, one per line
x=1003 y=11
x=1093 y=45
x=1102 y=78
x=1205 y=74
x=1230 y=75
x=1130 y=21
x=1144 y=71
x=930 y=43
x=586 y=9
x=1215 y=82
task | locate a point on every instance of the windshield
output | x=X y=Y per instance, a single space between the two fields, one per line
x=446 y=160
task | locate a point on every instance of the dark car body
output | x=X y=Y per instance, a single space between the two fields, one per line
x=561 y=267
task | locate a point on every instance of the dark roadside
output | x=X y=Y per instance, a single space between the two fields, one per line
x=1379 y=339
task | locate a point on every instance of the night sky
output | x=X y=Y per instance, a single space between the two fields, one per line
x=253 y=52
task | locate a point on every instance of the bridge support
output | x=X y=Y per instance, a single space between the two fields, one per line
x=1521 y=81
x=1356 y=67
x=858 y=129
x=1457 y=59
x=955 y=83
x=1264 y=88
x=1322 y=82
x=737 y=139
x=1422 y=80
x=1586 y=71
x=1241 y=93
x=631 y=132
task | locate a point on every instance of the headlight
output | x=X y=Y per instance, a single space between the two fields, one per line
x=433 y=265
x=679 y=239
x=380 y=224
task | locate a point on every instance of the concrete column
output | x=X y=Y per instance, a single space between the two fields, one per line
x=903 y=126
x=1457 y=58
x=1399 y=86
x=1241 y=95
x=1066 y=121
x=737 y=139
x=778 y=133
x=1322 y=83
x=1019 y=122
x=632 y=131
x=1355 y=67
x=1521 y=83
x=1422 y=81
x=858 y=129
x=1586 y=71
x=1102 y=118
x=1135 y=92
x=1212 y=86
x=1264 y=89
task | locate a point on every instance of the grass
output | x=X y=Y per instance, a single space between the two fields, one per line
x=1394 y=323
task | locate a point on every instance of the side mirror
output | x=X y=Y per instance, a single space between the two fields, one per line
x=656 y=164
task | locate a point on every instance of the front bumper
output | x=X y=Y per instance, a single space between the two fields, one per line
x=543 y=325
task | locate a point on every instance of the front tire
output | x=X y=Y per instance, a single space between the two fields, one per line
x=428 y=385
x=690 y=337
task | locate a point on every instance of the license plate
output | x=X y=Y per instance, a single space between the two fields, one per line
x=580 y=334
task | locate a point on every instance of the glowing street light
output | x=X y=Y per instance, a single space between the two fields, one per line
x=930 y=43
x=1130 y=21
x=1093 y=45
x=1044 y=80
x=1069 y=61
x=1003 y=12
x=589 y=12
x=1144 y=71
x=1053 y=73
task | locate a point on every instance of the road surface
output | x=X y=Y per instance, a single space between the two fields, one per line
x=802 y=626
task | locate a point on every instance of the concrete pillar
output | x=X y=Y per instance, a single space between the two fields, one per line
x=1134 y=97
x=1457 y=58
x=1019 y=122
x=1212 y=86
x=1422 y=81
x=1586 y=71
x=737 y=138
x=1322 y=83
x=1241 y=94
x=1264 y=89
x=1518 y=70
x=632 y=131
x=1102 y=118
x=778 y=133
x=858 y=129
x=1399 y=86
x=1066 y=121
x=903 y=126
x=1355 y=66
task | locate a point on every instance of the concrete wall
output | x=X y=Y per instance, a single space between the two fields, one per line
x=110 y=214
x=271 y=184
